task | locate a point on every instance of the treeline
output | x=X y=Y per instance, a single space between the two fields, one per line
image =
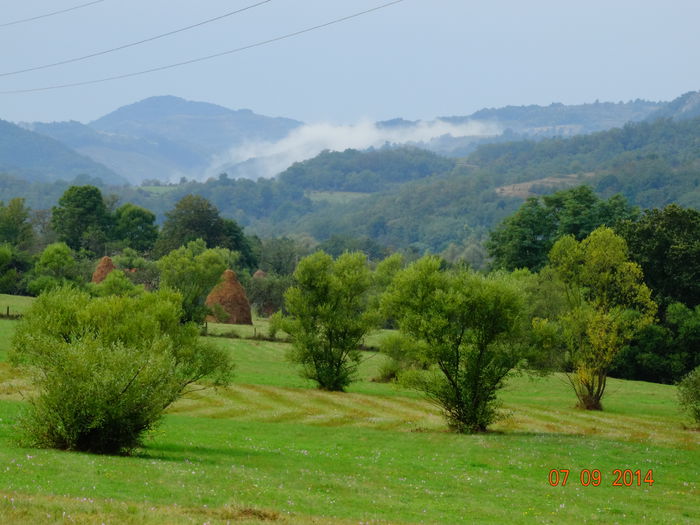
x=40 y=252
x=664 y=243
x=417 y=200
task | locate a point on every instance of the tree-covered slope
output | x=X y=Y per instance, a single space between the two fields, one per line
x=36 y=157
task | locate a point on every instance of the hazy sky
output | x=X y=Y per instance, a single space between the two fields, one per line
x=416 y=59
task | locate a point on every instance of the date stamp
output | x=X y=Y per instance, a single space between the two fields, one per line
x=594 y=478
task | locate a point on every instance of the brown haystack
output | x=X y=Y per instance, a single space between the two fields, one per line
x=104 y=267
x=230 y=297
x=259 y=274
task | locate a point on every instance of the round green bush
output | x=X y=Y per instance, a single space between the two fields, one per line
x=106 y=368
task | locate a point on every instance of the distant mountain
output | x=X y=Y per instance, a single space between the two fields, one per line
x=558 y=120
x=33 y=156
x=165 y=137
x=135 y=158
x=687 y=106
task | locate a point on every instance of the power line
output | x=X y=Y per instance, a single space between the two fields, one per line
x=31 y=19
x=202 y=59
x=132 y=44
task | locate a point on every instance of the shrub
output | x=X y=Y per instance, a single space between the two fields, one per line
x=689 y=394
x=402 y=353
x=106 y=368
x=329 y=316
x=468 y=326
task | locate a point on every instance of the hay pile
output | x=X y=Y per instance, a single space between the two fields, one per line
x=104 y=267
x=228 y=301
x=259 y=274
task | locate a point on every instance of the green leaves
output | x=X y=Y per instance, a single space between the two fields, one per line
x=106 y=368
x=193 y=270
x=608 y=304
x=329 y=315
x=467 y=324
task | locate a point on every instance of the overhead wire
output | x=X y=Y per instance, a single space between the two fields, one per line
x=132 y=44
x=203 y=58
x=53 y=13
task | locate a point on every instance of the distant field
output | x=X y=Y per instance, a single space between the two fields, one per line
x=272 y=448
x=336 y=197
x=523 y=189
x=158 y=190
x=17 y=304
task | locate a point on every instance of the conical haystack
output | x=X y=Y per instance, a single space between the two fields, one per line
x=104 y=267
x=232 y=302
x=259 y=274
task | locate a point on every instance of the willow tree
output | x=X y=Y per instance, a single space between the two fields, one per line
x=608 y=303
x=468 y=327
x=329 y=315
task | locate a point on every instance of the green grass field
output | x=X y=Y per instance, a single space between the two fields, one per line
x=272 y=448
x=16 y=304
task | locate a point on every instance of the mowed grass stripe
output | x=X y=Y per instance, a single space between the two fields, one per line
x=268 y=403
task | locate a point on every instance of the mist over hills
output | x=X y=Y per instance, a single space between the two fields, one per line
x=168 y=138
x=164 y=137
x=406 y=197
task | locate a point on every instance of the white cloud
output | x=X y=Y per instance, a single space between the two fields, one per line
x=307 y=141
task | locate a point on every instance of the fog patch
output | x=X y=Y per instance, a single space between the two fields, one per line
x=267 y=159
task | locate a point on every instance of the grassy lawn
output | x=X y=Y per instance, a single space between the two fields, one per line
x=272 y=448
x=17 y=304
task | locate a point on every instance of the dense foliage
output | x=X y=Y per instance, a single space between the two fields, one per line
x=608 y=303
x=524 y=239
x=689 y=394
x=106 y=368
x=329 y=316
x=468 y=324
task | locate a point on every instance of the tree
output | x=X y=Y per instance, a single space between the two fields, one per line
x=329 y=317
x=13 y=265
x=135 y=226
x=664 y=352
x=106 y=368
x=280 y=255
x=608 y=303
x=467 y=324
x=81 y=218
x=193 y=270
x=689 y=394
x=56 y=266
x=666 y=244
x=524 y=239
x=15 y=226
x=194 y=217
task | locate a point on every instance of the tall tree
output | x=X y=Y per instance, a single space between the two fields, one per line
x=194 y=217
x=15 y=226
x=608 y=303
x=81 y=218
x=329 y=315
x=467 y=325
x=666 y=244
x=524 y=239
x=136 y=227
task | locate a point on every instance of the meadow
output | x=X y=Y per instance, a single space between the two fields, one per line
x=271 y=448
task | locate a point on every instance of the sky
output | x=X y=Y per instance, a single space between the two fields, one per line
x=417 y=59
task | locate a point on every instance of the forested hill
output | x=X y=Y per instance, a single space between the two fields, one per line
x=651 y=163
x=367 y=172
x=564 y=120
x=38 y=158
x=415 y=199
